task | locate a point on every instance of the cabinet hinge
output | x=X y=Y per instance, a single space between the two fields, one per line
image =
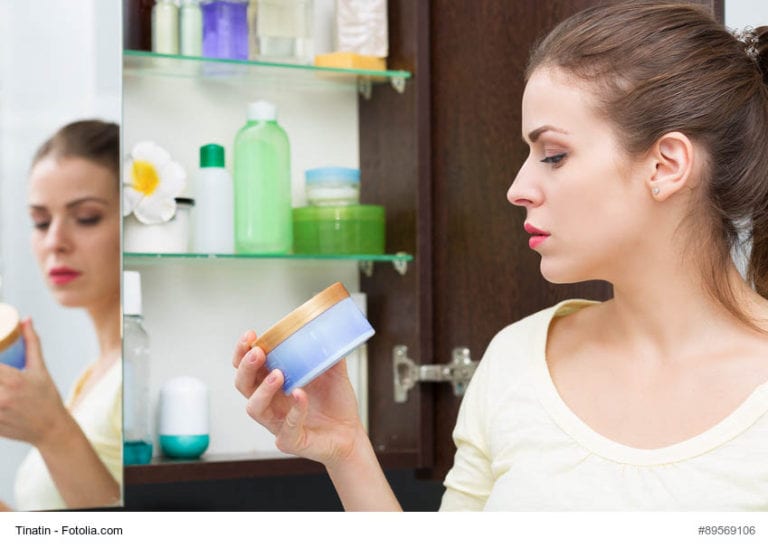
x=407 y=373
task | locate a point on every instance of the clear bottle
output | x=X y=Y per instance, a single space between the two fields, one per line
x=284 y=30
x=225 y=29
x=191 y=28
x=165 y=27
x=137 y=441
x=262 y=175
x=214 y=211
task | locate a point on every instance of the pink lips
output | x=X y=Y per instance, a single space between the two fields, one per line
x=62 y=275
x=537 y=235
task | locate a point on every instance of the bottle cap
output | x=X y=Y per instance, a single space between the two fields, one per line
x=212 y=155
x=333 y=174
x=131 y=293
x=301 y=316
x=262 y=110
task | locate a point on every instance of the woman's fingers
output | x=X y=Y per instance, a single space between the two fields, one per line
x=242 y=347
x=250 y=372
x=292 y=435
x=34 y=352
x=260 y=403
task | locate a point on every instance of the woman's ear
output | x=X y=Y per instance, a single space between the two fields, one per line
x=672 y=157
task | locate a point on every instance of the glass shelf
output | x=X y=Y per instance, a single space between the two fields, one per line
x=399 y=260
x=146 y=62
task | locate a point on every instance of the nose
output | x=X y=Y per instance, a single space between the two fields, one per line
x=58 y=238
x=524 y=191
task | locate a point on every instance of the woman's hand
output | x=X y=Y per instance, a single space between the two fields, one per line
x=319 y=422
x=31 y=408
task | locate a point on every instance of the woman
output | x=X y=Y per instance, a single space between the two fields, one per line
x=76 y=460
x=647 y=127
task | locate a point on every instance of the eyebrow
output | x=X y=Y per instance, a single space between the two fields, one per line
x=73 y=203
x=532 y=136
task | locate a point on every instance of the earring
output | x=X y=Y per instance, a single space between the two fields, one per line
x=656 y=190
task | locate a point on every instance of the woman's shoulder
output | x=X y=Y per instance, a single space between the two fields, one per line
x=525 y=340
x=541 y=320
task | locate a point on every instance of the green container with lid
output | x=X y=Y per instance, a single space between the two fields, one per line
x=339 y=230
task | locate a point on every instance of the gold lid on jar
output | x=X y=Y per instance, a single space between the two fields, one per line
x=10 y=328
x=301 y=316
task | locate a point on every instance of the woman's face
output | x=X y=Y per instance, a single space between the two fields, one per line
x=584 y=210
x=75 y=212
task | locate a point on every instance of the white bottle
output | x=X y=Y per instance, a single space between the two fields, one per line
x=214 y=230
x=165 y=27
x=191 y=28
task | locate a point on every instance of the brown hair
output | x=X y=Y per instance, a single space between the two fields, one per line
x=93 y=140
x=660 y=67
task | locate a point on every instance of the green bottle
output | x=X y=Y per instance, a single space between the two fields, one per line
x=262 y=180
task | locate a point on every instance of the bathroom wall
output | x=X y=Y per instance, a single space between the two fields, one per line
x=53 y=70
x=746 y=13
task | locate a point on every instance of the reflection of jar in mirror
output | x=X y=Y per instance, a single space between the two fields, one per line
x=12 y=348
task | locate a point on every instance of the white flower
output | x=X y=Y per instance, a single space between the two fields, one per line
x=151 y=182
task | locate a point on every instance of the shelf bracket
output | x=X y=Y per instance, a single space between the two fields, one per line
x=400 y=265
x=398 y=82
x=365 y=86
x=366 y=267
x=407 y=373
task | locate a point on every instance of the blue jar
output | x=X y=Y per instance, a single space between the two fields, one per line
x=316 y=335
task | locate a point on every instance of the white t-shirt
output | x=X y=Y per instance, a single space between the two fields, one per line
x=99 y=415
x=519 y=447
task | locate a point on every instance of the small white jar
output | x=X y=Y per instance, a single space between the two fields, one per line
x=172 y=236
x=183 y=428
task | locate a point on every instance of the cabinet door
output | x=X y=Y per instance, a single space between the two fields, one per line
x=441 y=159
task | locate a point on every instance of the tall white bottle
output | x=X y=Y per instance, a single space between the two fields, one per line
x=214 y=221
x=190 y=28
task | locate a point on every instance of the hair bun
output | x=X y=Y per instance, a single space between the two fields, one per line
x=761 y=50
x=754 y=42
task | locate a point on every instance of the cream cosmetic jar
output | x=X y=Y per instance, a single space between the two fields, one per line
x=314 y=336
x=12 y=348
x=172 y=236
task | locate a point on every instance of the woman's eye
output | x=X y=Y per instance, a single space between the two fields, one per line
x=39 y=222
x=554 y=159
x=89 y=220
